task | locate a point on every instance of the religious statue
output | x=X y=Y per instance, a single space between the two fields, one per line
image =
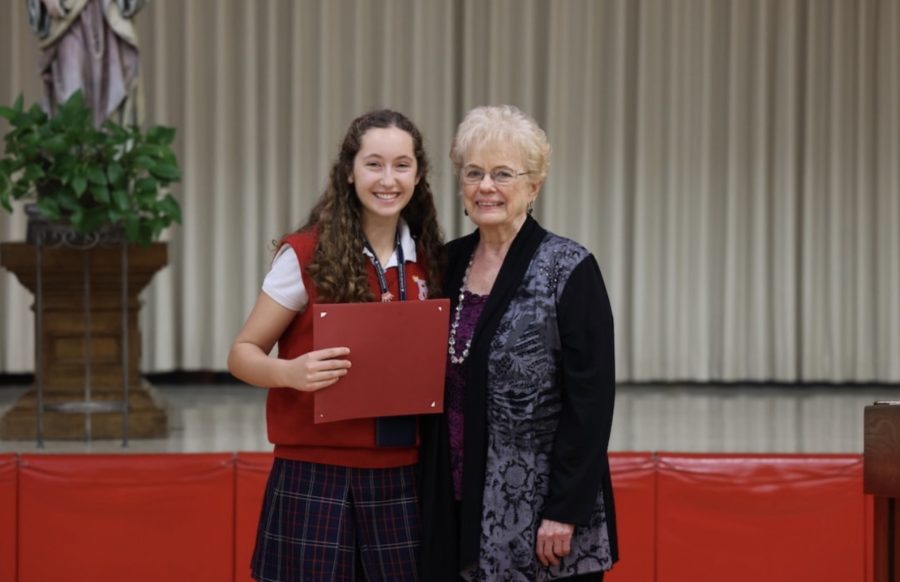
x=90 y=45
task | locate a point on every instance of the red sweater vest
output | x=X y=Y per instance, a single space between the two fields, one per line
x=289 y=412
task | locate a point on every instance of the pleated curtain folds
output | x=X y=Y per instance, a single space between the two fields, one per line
x=734 y=165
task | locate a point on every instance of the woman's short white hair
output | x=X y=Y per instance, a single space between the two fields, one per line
x=494 y=125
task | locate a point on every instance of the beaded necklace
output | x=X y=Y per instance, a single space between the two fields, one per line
x=451 y=349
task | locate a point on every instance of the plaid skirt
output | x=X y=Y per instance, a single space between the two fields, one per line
x=325 y=522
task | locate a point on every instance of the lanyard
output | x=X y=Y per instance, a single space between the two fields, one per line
x=386 y=295
x=393 y=431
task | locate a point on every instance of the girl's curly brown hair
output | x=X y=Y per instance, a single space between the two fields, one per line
x=338 y=267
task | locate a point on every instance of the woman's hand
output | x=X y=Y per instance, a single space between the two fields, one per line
x=316 y=370
x=554 y=541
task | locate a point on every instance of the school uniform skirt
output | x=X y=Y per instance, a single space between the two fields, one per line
x=325 y=522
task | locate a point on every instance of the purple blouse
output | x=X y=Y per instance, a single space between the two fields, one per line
x=472 y=306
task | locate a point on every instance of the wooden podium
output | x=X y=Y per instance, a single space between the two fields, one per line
x=881 y=478
x=65 y=320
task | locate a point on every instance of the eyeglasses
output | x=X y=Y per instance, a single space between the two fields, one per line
x=501 y=175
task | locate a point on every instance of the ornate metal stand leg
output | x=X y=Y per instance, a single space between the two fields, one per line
x=86 y=270
x=125 y=352
x=38 y=336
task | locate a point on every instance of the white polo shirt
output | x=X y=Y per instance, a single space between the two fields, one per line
x=284 y=283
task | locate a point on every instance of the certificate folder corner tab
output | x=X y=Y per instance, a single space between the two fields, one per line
x=398 y=352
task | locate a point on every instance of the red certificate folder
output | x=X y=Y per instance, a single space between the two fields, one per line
x=398 y=352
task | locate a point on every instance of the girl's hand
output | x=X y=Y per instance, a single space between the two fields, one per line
x=249 y=359
x=554 y=541
x=317 y=369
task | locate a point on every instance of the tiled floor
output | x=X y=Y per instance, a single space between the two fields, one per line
x=681 y=418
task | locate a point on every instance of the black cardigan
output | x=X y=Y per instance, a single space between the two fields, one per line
x=451 y=537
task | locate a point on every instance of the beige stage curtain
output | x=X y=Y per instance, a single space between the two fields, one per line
x=734 y=165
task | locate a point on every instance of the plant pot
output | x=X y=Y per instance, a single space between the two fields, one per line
x=60 y=232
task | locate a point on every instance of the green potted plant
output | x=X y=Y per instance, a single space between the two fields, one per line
x=96 y=179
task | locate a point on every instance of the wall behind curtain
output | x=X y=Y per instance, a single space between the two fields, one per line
x=734 y=165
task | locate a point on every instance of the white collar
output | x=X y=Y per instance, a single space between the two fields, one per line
x=406 y=243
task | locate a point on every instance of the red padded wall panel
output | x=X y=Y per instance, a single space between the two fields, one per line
x=126 y=517
x=252 y=470
x=8 y=515
x=634 y=490
x=743 y=518
x=870 y=538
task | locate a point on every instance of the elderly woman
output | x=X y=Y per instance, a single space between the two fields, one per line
x=515 y=474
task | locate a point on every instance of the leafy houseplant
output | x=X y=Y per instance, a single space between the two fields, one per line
x=94 y=178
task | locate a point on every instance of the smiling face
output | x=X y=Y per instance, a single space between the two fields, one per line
x=385 y=174
x=494 y=206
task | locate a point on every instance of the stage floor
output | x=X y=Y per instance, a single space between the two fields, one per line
x=649 y=417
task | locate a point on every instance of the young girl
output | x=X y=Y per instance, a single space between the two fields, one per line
x=338 y=506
